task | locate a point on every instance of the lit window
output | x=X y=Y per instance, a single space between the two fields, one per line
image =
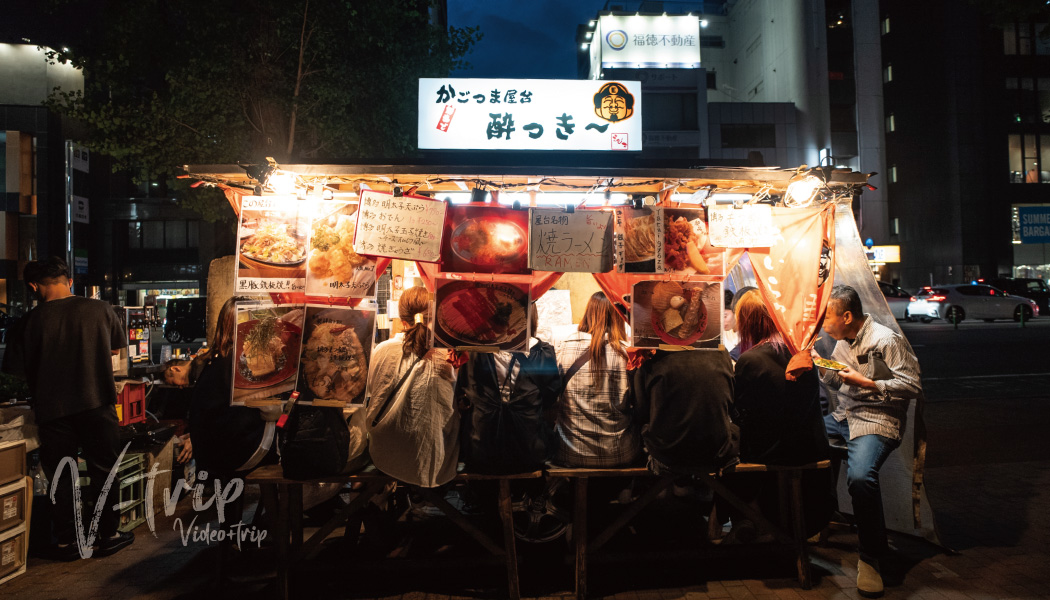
x=1010 y=39
x=891 y=124
x=893 y=174
x=887 y=74
x=885 y=26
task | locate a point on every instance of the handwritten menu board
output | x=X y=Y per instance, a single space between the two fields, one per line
x=271 y=245
x=576 y=242
x=405 y=227
x=332 y=266
x=745 y=227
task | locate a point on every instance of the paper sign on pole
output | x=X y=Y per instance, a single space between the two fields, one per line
x=576 y=242
x=745 y=227
x=405 y=227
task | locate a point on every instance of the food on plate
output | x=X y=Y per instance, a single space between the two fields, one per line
x=682 y=243
x=263 y=348
x=332 y=249
x=678 y=311
x=334 y=362
x=482 y=315
x=664 y=292
x=694 y=314
x=671 y=319
x=639 y=238
x=488 y=241
x=825 y=363
x=273 y=243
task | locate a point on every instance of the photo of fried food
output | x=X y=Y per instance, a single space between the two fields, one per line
x=683 y=239
x=332 y=253
x=639 y=239
x=334 y=362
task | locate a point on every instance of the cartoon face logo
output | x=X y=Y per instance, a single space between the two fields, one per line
x=613 y=102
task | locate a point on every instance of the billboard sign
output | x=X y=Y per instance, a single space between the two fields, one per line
x=636 y=42
x=529 y=114
x=1034 y=223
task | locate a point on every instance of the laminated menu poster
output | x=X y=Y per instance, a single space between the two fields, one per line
x=676 y=314
x=576 y=242
x=485 y=239
x=687 y=247
x=337 y=345
x=749 y=226
x=481 y=315
x=405 y=227
x=333 y=267
x=639 y=240
x=271 y=245
x=266 y=346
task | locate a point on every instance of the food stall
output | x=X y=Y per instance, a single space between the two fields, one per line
x=663 y=244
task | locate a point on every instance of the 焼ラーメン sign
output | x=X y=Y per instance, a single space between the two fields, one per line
x=636 y=42
x=578 y=242
x=529 y=114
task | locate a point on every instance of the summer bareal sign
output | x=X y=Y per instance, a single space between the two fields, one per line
x=405 y=227
x=333 y=268
x=529 y=114
x=570 y=242
x=271 y=245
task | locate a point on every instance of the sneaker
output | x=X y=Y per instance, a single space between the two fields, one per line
x=64 y=552
x=114 y=544
x=869 y=582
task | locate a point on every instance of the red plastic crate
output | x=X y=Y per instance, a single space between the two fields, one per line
x=131 y=403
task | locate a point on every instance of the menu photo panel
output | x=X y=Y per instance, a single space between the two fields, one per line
x=676 y=314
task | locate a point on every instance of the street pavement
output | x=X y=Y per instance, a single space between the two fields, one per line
x=988 y=482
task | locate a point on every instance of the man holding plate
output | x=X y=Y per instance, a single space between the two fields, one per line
x=877 y=377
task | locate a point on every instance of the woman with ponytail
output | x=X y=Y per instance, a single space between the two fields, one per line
x=412 y=419
x=593 y=363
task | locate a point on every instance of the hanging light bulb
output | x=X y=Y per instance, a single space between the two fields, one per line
x=802 y=191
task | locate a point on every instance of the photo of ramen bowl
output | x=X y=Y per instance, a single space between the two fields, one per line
x=489 y=241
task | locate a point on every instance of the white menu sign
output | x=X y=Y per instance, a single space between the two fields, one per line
x=745 y=227
x=405 y=227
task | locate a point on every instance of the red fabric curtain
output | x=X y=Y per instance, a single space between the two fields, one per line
x=792 y=274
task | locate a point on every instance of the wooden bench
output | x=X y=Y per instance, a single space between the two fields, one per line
x=287 y=497
x=789 y=478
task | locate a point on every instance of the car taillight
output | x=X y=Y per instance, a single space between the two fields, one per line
x=936 y=299
x=913 y=298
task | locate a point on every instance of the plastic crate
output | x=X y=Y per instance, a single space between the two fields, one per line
x=13 y=499
x=12 y=461
x=131 y=491
x=131 y=402
x=13 y=548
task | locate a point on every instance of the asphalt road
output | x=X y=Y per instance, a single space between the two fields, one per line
x=980 y=350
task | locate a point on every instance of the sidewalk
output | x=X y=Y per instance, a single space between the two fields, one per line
x=988 y=481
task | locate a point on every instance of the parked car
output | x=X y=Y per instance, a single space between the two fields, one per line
x=185 y=320
x=897 y=298
x=968 y=301
x=1035 y=289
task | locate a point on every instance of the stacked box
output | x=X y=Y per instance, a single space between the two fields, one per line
x=131 y=495
x=15 y=508
x=131 y=402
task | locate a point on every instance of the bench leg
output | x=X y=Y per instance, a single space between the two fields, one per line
x=509 y=543
x=579 y=535
x=281 y=525
x=798 y=526
x=295 y=510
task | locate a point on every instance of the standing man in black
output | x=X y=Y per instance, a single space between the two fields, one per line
x=63 y=348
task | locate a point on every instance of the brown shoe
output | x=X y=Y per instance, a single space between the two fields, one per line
x=869 y=582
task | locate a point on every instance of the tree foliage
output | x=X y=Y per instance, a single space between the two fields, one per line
x=215 y=81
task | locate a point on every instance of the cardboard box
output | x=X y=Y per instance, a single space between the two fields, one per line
x=13 y=547
x=12 y=461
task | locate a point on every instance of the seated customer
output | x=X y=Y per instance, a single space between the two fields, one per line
x=594 y=363
x=780 y=420
x=508 y=394
x=224 y=439
x=681 y=401
x=411 y=413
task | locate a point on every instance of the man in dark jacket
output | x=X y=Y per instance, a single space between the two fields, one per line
x=63 y=349
x=681 y=400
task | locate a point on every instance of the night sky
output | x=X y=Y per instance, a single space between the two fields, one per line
x=523 y=38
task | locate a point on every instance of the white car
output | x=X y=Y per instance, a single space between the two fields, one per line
x=968 y=301
x=897 y=298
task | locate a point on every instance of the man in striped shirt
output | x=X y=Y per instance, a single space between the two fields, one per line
x=880 y=377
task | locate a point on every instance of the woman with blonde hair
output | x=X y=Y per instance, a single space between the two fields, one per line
x=590 y=429
x=411 y=415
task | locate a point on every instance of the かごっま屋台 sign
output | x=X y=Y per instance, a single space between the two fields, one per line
x=529 y=114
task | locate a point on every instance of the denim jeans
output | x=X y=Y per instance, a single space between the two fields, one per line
x=867 y=453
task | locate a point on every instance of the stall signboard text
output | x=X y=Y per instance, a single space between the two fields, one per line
x=405 y=227
x=636 y=42
x=529 y=114
x=744 y=227
x=570 y=242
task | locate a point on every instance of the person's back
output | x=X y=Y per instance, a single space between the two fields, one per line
x=509 y=394
x=681 y=400
x=65 y=347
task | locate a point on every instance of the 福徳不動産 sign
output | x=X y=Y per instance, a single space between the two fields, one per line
x=1034 y=222
x=529 y=114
